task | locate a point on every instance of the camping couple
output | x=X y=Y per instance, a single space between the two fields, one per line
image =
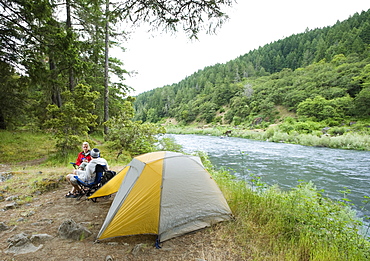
x=86 y=162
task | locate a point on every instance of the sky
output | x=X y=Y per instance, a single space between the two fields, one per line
x=163 y=59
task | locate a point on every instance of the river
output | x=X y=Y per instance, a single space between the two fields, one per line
x=331 y=170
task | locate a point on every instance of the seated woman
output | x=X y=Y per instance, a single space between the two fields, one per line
x=84 y=156
x=87 y=175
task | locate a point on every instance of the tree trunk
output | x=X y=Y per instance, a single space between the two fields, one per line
x=69 y=34
x=106 y=67
x=55 y=91
x=2 y=121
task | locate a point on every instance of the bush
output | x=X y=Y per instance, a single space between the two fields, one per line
x=237 y=120
x=286 y=127
x=270 y=132
x=338 y=130
x=134 y=137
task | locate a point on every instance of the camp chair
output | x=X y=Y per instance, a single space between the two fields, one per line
x=89 y=188
x=74 y=165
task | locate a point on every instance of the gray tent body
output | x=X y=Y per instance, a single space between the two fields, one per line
x=189 y=197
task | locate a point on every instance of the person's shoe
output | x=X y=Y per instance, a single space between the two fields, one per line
x=72 y=195
x=69 y=194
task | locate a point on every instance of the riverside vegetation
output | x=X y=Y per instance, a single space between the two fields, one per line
x=290 y=131
x=269 y=224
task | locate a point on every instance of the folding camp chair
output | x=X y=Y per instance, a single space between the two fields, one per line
x=89 y=188
x=74 y=165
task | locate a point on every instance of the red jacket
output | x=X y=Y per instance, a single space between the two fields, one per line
x=82 y=155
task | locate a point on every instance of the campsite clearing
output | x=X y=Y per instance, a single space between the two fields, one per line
x=46 y=212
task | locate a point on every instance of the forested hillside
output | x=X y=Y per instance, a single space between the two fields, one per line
x=321 y=75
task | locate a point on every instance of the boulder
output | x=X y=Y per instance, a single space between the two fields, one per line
x=21 y=244
x=3 y=227
x=40 y=238
x=69 y=229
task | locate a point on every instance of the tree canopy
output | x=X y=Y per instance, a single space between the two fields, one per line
x=48 y=48
x=324 y=70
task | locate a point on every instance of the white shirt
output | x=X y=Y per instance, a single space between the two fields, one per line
x=88 y=175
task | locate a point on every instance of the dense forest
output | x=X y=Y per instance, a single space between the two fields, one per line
x=320 y=75
x=57 y=73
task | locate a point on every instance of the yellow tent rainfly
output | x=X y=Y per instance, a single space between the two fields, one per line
x=163 y=193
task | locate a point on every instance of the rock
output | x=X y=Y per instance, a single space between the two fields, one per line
x=19 y=239
x=27 y=214
x=137 y=249
x=40 y=238
x=109 y=258
x=21 y=244
x=325 y=130
x=10 y=206
x=5 y=175
x=69 y=229
x=11 y=198
x=3 y=227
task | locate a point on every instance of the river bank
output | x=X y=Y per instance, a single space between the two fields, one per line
x=268 y=224
x=350 y=140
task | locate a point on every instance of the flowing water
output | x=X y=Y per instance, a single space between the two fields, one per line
x=331 y=170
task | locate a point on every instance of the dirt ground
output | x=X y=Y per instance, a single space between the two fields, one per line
x=47 y=212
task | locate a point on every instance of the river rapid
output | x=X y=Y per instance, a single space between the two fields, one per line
x=331 y=170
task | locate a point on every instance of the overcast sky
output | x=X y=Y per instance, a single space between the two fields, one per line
x=165 y=59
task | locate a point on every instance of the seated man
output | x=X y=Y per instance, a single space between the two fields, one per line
x=87 y=175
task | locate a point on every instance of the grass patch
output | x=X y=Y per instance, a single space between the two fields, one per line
x=36 y=167
x=24 y=146
x=31 y=181
x=299 y=224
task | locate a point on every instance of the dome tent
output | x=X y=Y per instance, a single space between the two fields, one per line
x=163 y=193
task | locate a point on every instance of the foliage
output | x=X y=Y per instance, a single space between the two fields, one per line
x=168 y=144
x=321 y=109
x=13 y=98
x=172 y=14
x=71 y=122
x=43 y=54
x=299 y=224
x=131 y=136
x=318 y=75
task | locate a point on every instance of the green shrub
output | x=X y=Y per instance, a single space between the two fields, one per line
x=286 y=127
x=218 y=119
x=338 y=130
x=130 y=136
x=270 y=132
x=237 y=120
